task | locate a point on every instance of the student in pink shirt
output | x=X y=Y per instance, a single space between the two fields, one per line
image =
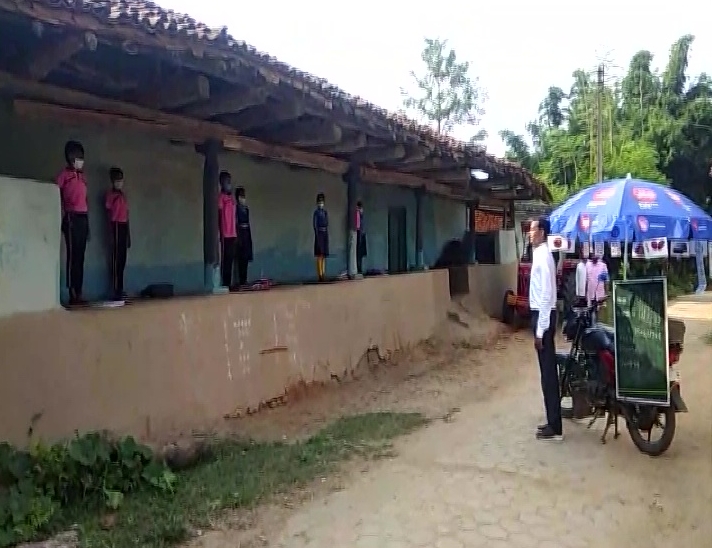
x=117 y=208
x=227 y=207
x=594 y=288
x=75 y=219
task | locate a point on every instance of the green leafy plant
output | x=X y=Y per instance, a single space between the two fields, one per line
x=93 y=469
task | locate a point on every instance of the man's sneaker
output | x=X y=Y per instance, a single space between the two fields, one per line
x=542 y=427
x=548 y=434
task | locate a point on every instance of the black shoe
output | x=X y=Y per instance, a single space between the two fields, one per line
x=542 y=427
x=548 y=434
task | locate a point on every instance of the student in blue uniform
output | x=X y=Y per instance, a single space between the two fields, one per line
x=361 y=247
x=244 y=254
x=320 y=221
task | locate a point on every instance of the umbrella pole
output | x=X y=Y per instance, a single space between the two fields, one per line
x=625 y=255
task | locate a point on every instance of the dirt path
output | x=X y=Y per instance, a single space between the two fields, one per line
x=478 y=477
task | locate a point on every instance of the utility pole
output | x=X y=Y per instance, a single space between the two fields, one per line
x=600 y=88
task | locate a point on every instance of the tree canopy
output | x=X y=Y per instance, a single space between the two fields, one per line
x=446 y=94
x=656 y=126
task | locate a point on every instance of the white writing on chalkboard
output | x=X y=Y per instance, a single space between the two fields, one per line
x=647 y=333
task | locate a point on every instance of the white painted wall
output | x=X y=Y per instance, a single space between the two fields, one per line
x=505 y=247
x=29 y=246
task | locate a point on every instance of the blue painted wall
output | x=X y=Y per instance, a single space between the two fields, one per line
x=164 y=186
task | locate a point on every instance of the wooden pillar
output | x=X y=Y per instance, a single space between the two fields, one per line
x=470 y=247
x=419 y=255
x=210 y=150
x=510 y=214
x=352 y=178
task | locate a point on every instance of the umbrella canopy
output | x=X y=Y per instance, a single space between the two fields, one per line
x=630 y=209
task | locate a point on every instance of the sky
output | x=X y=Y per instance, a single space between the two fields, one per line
x=516 y=49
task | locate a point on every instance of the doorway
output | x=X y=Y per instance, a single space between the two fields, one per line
x=397 y=240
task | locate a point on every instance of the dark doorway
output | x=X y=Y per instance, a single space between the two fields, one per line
x=397 y=240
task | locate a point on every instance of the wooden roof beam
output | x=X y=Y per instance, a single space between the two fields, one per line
x=413 y=155
x=229 y=103
x=349 y=145
x=77 y=107
x=268 y=115
x=379 y=154
x=52 y=53
x=314 y=132
x=178 y=92
x=460 y=175
x=430 y=163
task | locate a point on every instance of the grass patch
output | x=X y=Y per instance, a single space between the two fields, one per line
x=241 y=475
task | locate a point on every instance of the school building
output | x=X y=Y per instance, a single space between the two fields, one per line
x=172 y=103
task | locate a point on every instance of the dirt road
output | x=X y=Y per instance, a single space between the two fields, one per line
x=479 y=478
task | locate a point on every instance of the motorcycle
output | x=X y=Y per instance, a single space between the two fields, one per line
x=587 y=375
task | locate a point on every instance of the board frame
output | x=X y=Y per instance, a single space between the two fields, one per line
x=645 y=401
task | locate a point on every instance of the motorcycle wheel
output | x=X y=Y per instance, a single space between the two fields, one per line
x=654 y=448
x=567 y=410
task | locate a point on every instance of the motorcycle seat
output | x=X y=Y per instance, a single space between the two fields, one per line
x=600 y=337
x=607 y=328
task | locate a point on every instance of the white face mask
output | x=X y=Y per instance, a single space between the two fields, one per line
x=118 y=185
x=78 y=163
x=242 y=200
x=320 y=205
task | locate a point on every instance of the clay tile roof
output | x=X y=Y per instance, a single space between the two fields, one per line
x=155 y=20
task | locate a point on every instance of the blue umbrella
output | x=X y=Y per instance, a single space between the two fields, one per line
x=630 y=209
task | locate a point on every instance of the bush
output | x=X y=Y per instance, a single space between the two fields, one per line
x=681 y=273
x=36 y=485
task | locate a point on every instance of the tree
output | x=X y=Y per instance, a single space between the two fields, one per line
x=447 y=95
x=655 y=126
x=478 y=138
x=550 y=112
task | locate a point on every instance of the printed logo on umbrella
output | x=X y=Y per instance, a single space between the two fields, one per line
x=585 y=222
x=643 y=223
x=601 y=196
x=644 y=195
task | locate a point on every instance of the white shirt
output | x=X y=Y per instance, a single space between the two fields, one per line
x=581 y=279
x=542 y=286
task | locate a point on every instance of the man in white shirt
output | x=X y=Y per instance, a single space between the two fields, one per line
x=581 y=281
x=542 y=303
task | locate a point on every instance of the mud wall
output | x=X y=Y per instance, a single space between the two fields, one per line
x=29 y=246
x=160 y=368
x=487 y=285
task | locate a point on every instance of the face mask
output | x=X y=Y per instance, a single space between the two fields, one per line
x=118 y=185
x=227 y=187
x=320 y=205
x=78 y=164
x=242 y=200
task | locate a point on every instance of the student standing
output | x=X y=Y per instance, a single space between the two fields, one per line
x=75 y=218
x=320 y=222
x=227 y=225
x=595 y=289
x=542 y=303
x=361 y=246
x=580 y=281
x=244 y=253
x=117 y=207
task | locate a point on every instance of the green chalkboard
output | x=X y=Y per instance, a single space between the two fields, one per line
x=640 y=323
